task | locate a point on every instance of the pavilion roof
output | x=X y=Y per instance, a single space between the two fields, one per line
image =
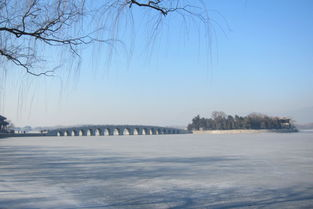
x=2 y=117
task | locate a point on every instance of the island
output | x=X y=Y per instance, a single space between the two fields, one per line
x=254 y=122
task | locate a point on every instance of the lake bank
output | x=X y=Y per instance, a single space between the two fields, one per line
x=6 y=135
x=243 y=131
x=237 y=131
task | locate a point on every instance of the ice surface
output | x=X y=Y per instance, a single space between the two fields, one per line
x=267 y=170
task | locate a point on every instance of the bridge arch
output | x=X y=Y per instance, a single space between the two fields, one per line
x=59 y=133
x=74 y=132
x=106 y=132
x=164 y=131
x=117 y=132
x=98 y=132
x=152 y=131
x=148 y=131
x=127 y=131
x=144 y=131
x=159 y=131
x=67 y=133
x=82 y=132
x=136 y=131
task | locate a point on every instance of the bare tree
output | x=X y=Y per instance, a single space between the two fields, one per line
x=28 y=26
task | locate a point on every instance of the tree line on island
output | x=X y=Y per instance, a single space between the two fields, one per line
x=220 y=121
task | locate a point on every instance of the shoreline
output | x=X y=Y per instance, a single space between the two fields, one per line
x=7 y=135
x=245 y=131
x=234 y=131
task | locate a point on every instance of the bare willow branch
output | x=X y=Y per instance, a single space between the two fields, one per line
x=60 y=23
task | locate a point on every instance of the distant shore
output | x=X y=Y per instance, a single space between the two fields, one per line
x=240 y=131
x=234 y=131
x=6 y=135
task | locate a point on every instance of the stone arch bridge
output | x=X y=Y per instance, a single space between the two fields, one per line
x=110 y=130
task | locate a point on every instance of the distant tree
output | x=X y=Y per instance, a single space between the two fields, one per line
x=27 y=129
x=220 y=121
x=230 y=122
x=210 y=124
x=203 y=124
x=218 y=115
x=195 y=125
x=237 y=122
x=190 y=127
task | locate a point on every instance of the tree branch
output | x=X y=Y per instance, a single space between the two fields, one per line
x=151 y=4
x=25 y=66
x=26 y=24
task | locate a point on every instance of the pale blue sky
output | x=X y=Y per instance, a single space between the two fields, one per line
x=260 y=60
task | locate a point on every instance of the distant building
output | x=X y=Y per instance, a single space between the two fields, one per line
x=285 y=123
x=3 y=124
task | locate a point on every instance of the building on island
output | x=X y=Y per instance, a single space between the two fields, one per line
x=285 y=123
x=3 y=124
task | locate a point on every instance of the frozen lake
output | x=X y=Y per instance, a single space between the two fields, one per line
x=268 y=170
